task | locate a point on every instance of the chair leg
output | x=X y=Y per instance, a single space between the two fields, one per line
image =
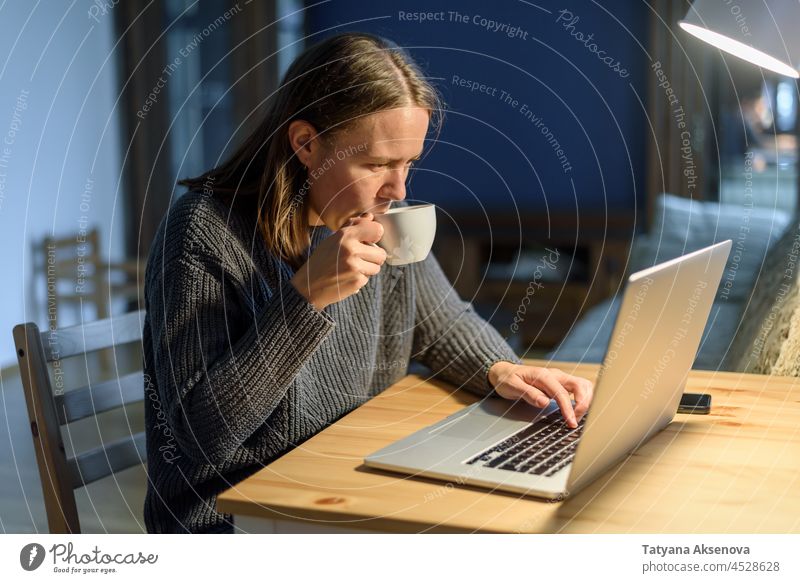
x=54 y=471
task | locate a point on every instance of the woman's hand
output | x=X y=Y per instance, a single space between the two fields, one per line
x=538 y=385
x=342 y=264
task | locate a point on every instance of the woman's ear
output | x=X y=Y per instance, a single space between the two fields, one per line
x=302 y=138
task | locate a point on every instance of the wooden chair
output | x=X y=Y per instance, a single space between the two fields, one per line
x=73 y=274
x=74 y=277
x=49 y=410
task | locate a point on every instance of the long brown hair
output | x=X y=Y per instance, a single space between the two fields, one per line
x=330 y=85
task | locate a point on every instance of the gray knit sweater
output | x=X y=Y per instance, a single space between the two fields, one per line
x=240 y=368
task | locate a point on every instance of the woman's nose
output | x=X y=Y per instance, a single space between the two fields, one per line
x=395 y=185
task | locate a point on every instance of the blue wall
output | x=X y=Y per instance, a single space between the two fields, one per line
x=490 y=153
x=60 y=148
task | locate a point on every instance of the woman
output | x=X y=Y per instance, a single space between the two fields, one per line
x=270 y=313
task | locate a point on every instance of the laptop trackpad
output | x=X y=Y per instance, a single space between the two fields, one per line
x=492 y=418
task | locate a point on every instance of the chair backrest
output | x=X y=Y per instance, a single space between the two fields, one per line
x=49 y=410
x=72 y=271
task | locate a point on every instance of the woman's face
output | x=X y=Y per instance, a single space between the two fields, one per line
x=363 y=168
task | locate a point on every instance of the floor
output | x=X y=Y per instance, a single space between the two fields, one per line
x=111 y=505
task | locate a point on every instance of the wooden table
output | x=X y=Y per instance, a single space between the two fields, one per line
x=733 y=471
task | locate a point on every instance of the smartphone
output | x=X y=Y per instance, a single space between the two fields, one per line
x=696 y=403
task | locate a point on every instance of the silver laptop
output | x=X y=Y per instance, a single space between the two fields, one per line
x=514 y=446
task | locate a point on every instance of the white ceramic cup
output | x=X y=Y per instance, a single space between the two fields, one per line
x=408 y=233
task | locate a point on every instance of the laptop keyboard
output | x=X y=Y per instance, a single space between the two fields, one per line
x=542 y=448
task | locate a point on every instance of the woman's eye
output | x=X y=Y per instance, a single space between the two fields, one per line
x=385 y=166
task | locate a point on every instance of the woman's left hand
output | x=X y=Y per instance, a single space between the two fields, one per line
x=537 y=385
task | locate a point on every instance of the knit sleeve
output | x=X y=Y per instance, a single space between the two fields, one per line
x=449 y=336
x=223 y=365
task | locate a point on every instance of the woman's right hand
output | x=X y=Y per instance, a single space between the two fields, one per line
x=342 y=264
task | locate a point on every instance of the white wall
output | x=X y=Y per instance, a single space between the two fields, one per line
x=58 y=131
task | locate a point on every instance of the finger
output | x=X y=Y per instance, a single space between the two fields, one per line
x=521 y=389
x=368 y=268
x=356 y=282
x=582 y=389
x=361 y=282
x=373 y=254
x=368 y=231
x=357 y=219
x=547 y=383
x=363 y=217
x=535 y=397
x=363 y=260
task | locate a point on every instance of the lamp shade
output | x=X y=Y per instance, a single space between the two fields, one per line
x=764 y=33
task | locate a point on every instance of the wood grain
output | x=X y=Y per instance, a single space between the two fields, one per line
x=733 y=471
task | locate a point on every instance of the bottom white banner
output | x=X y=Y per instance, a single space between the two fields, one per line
x=360 y=557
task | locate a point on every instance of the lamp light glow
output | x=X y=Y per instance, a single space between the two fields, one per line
x=763 y=33
x=739 y=49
